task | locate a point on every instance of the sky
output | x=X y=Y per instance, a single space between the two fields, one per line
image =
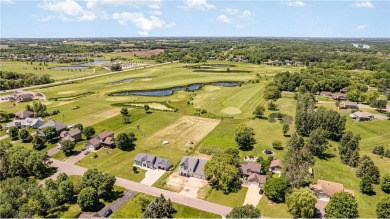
x=194 y=18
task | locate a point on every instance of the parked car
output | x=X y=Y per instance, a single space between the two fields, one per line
x=87 y=152
x=59 y=147
x=107 y=213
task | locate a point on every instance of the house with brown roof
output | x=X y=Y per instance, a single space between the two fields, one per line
x=23 y=114
x=105 y=138
x=276 y=166
x=339 y=96
x=348 y=105
x=326 y=94
x=73 y=135
x=326 y=189
x=25 y=97
x=251 y=174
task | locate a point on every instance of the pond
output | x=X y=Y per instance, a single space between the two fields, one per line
x=97 y=62
x=69 y=67
x=227 y=84
x=169 y=91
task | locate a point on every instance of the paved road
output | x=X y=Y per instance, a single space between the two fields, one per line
x=87 y=77
x=118 y=203
x=130 y=185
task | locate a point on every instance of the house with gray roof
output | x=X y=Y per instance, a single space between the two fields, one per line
x=192 y=167
x=60 y=127
x=73 y=135
x=152 y=162
x=30 y=122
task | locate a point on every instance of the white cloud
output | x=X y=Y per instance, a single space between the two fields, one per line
x=364 y=4
x=6 y=1
x=231 y=11
x=295 y=3
x=155 y=12
x=66 y=10
x=144 y=24
x=223 y=18
x=246 y=14
x=362 y=28
x=99 y=5
x=197 y=4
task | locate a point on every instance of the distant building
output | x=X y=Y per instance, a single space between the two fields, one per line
x=339 y=96
x=192 y=167
x=326 y=94
x=276 y=166
x=25 y=97
x=343 y=90
x=348 y=105
x=60 y=127
x=22 y=114
x=362 y=116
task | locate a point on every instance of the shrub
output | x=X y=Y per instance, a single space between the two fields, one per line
x=276 y=144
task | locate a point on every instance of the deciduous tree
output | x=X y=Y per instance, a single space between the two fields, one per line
x=88 y=199
x=125 y=141
x=159 y=208
x=259 y=111
x=67 y=147
x=102 y=182
x=367 y=168
x=342 y=205
x=245 y=211
x=13 y=132
x=275 y=189
x=24 y=135
x=88 y=131
x=244 y=138
x=385 y=183
x=301 y=203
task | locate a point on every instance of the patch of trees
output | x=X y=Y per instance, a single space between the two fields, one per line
x=272 y=92
x=245 y=211
x=275 y=189
x=342 y=205
x=116 y=67
x=349 y=149
x=301 y=203
x=308 y=118
x=259 y=111
x=244 y=138
x=223 y=171
x=39 y=109
x=125 y=115
x=298 y=159
x=89 y=131
x=160 y=207
x=383 y=208
x=5 y=116
x=103 y=183
x=23 y=162
x=367 y=168
x=59 y=191
x=67 y=147
x=125 y=141
x=12 y=80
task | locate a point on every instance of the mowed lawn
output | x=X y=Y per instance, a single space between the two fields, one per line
x=56 y=74
x=118 y=162
x=132 y=209
x=233 y=199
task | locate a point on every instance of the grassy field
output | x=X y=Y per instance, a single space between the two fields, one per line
x=273 y=210
x=132 y=209
x=232 y=199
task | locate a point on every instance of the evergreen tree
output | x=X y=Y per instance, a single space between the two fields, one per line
x=349 y=149
x=159 y=208
x=367 y=168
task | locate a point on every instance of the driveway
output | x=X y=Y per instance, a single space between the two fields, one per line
x=63 y=167
x=76 y=158
x=151 y=176
x=114 y=206
x=53 y=151
x=192 y=186
x=252 y=195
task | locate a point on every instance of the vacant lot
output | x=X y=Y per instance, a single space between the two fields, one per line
x=187 y=128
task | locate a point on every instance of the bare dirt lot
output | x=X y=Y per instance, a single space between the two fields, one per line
x=142 y=52
x=188 y=186
x=187 y=128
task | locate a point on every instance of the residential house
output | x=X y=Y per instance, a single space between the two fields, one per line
x=251 y=173
x=276 y=166
x=152 y=162
x=192 y=167
x=287 y=62
x=25 y=97
x=362 y=116
x=326 y=189
x=339 y=96
x=22 y=114
x=60 y=127
x=298 y=63
x=326 y=94
x=104 y=138
x=348 y=105
x=73 y=135
x=30 y=122
x=343 y=90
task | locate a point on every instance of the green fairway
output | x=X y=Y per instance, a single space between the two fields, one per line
x=132 y=209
